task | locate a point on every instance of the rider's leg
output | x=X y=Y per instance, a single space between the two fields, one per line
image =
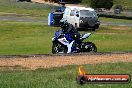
x=69 y=46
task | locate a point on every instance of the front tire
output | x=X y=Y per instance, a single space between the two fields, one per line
x=54 y=49
x=57 y=48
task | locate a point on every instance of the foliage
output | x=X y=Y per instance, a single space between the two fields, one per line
x=101 y=4
x=64 y=1
x=126 y=4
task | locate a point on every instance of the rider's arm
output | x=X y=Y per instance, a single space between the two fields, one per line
x=68 y=37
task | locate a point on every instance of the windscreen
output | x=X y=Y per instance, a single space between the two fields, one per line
x=87 y=13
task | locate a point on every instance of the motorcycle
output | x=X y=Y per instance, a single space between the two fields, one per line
x=62 y=45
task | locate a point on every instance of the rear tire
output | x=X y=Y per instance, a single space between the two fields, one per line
x=93 y=48
x=89 y=47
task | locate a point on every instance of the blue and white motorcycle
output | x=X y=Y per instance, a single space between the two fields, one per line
x=62 y=45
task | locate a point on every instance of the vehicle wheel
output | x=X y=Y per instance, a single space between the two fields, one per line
x=81 y=80
x=54 y=49
x=57 y=48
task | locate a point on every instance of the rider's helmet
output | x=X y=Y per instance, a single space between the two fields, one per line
x=64 y=25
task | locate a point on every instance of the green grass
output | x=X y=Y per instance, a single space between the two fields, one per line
x=113 y=39
x=36 y=38
x=63 y=77
x=32 y=9
x=25 y=38
x=115 y=20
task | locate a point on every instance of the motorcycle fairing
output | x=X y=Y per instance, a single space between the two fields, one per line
x=66 y=43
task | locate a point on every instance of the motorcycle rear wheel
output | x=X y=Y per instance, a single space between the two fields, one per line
x=89 y=47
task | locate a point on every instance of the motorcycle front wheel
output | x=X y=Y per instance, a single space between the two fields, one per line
x=58 y=48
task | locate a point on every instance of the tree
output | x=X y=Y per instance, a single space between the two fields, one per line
x=67 y=1
x=101 y=4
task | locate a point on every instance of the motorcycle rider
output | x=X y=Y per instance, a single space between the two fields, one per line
x=71 y=35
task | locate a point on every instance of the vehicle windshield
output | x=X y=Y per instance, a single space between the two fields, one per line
x=86 y=13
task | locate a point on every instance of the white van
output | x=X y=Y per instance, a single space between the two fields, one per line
x=81 y=17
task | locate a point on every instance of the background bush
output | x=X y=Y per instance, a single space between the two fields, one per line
x=101 y=4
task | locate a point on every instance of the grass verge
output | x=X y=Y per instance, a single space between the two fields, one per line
x=103 y=19
x=36 y=38
x=25 y=38
x=25 y=8
x=63 y=77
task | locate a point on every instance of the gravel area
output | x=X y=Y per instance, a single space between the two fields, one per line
x=58 y=61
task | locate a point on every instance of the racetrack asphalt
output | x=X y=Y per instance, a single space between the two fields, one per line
x=26 y=19
x=20 y=19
